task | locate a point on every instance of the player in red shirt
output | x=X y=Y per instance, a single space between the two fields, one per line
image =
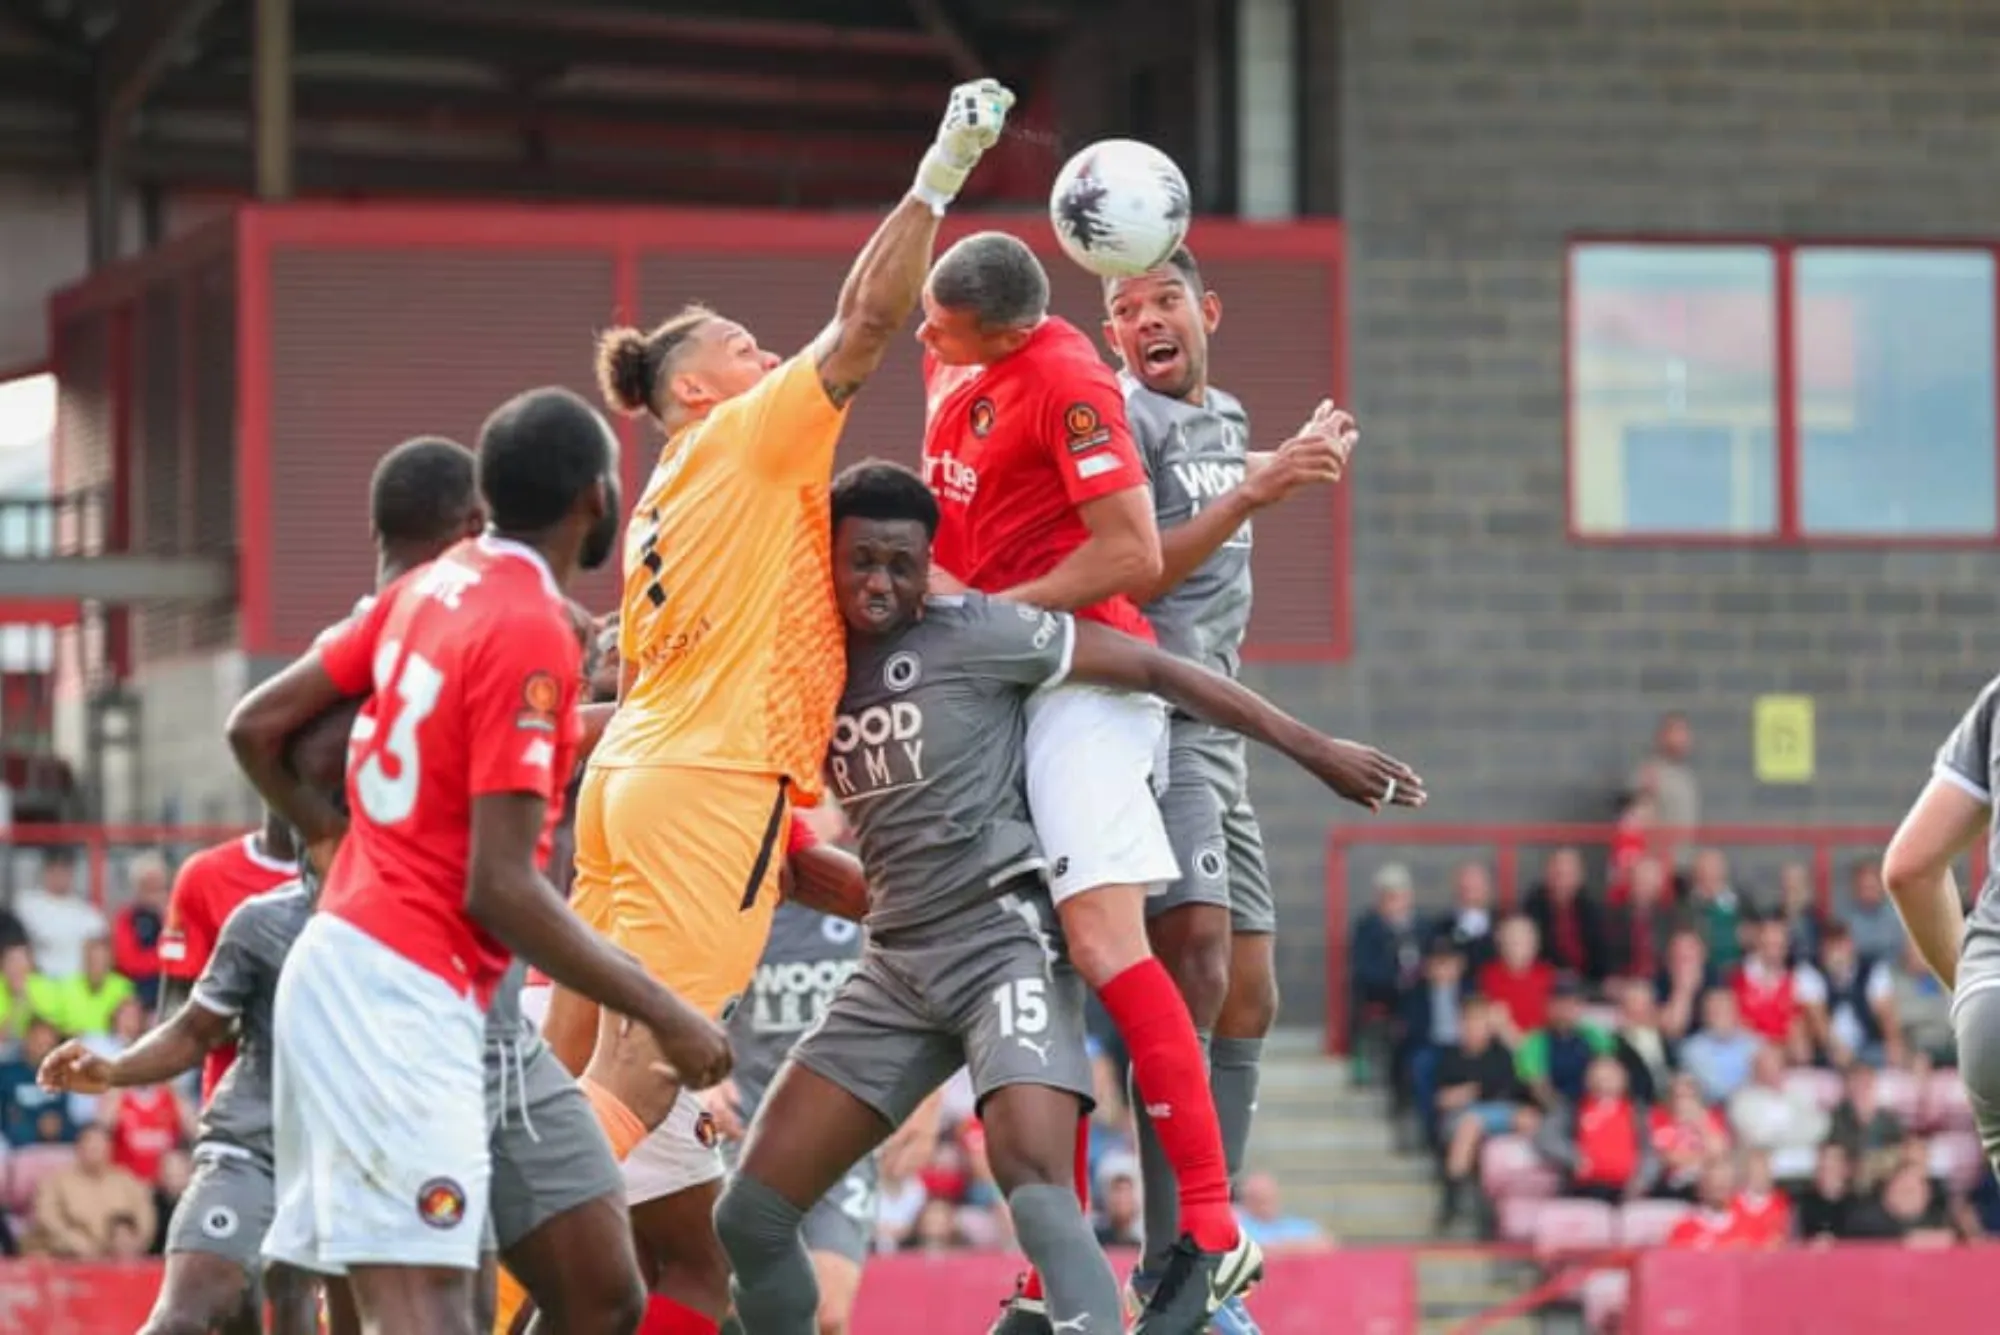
x=472 y=666
x=1715 y=1224
x=1043 y=500
x=206 y=891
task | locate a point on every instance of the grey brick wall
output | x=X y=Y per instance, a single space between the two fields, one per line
x=1465 y=143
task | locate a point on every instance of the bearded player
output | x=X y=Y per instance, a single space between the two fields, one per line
x=1213 y=927
x=960 y=967
x=732 y=667
x=472 y=666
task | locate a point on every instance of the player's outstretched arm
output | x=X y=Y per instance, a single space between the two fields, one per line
x=261 y=727
x=167 y=1051
x=510 y=897
x=827 y=880
x=1121 y=555
x=1359 y=773
x=1941 y=826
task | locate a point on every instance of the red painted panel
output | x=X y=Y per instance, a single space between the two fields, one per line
x=1883 y=1290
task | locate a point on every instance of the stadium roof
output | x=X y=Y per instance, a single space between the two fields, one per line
x=783 y=102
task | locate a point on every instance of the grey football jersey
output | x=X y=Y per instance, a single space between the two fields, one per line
x=1193 y=453
x=809 y=955
x=1970 y=758
x=927 y=753
x=241 y=981
x=504 y=1021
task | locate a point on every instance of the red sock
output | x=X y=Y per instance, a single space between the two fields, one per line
x=664 y=1316
x=1031 y=1287
x=1172 y=1078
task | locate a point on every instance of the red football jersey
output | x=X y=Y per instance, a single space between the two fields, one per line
x=1012 y=449
x=473 y=667
x=147 y=1126
x=206 y=891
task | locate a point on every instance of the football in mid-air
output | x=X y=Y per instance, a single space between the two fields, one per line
x=1119 y=207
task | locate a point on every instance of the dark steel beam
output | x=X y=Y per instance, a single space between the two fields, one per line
x=148 y=35
x=119 y=578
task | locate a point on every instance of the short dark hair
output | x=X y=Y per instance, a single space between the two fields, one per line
x=423 y=490
x=538 y=453
x=877 y=489
x=996 y=277
x=1182 y=261
x=630 y=363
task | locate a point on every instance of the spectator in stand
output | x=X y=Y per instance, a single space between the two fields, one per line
x=86 y=1000
x=1713 y=1225
x=1868 y=1133
x=1569 y=918
x=127 y=1243
x=1647 y=1054
x=1766 y=995
x=12 y=933
x=1631 y=842
x=1720 y=1056
x=1516 y=981
x=1922 y=1009
x=1763 y=1213
x=146 y=1121
x=1797 y=906
x=1715 y=907
x=76 y=1204
x=1774 y=1118
x=1263 y=1218
x=936 y=1229
x=1388 y=948
x=1849 y=1004
x=29 y=1114
x=1637 y=930
x=1871 y=917
x=1601 y=1142
x=1906 y=1210
x=1469 y=922
x=58 y=919
x=169 y=1185
x=1479 y=1094
x=1824 y=1205
x=135 y=932
x=1553 y=1060
x=1429 y=1027
x=1688 y=977
x=128 y=1026
x=1687 y=1133
x=1118 y=1216
x=24 y=994
x=1667 y=776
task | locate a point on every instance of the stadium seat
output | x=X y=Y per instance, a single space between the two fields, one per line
x=1572 y=1225
x=26 y=1167
x=1899 y=1092
x=1946 y=1105
x=1822 y=1087
x=1605 y=1294
x=1517 y=1216
x=1647 y=1223
x=1509 y=1166
x=1955 y=1156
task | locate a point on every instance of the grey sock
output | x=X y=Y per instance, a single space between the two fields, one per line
x=771 y=1278
x=1077 y=1282
x=1159 y=1189
x=1233 y=1067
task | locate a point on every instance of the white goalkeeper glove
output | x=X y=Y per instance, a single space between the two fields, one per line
x=973 y=120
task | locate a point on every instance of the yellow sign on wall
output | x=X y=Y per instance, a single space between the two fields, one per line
x=1782 y=738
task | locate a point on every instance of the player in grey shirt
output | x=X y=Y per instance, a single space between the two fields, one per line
x=1955 y=812
x=961 y=963
x=1213 y=929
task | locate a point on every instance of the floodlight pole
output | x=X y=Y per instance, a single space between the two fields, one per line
x=271 y=95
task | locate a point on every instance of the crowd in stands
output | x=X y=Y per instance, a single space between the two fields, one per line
x=1669 y=1056
x=82 y=1177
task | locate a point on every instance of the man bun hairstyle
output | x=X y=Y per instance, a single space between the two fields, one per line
x=423 y=491
x=631 y=364
x=878 y=489
x=996 y=277
x=538 y=452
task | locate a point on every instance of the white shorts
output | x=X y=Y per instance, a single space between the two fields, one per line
x=535 y=1004
x=680 y=1153
x=380 y=1109
x=1096 y=761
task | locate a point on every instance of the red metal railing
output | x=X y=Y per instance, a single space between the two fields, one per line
x=1503 y=845
x=97 y=844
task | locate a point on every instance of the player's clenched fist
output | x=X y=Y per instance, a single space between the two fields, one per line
x=696 y=1048
x=74 y=1069
x=973 y=120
